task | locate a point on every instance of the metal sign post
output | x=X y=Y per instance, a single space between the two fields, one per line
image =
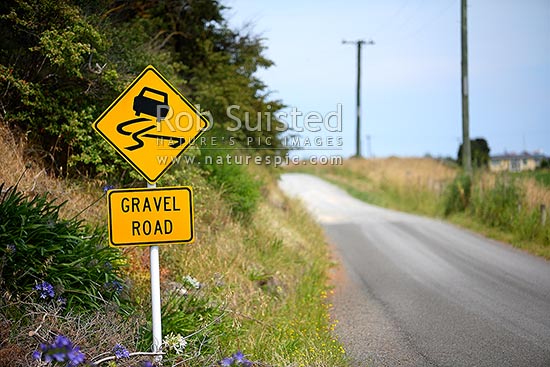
x=155 y=298
x=155 y=292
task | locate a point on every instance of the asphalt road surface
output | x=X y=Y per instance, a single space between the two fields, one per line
x=420 y=292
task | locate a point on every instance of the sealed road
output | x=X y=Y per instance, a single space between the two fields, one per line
x=421 y=292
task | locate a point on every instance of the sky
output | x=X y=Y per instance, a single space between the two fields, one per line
x=411 y=91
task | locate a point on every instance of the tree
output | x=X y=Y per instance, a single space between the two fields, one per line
x=480 y=153
x=62 y=62
x=544 y=163
x=219 y=67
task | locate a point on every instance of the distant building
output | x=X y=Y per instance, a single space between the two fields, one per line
x=513 y=162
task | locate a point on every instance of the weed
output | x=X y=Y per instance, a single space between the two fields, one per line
x=500 y=205
x=190 y=313
x=458 y=194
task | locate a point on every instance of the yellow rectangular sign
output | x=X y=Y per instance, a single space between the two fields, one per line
x=152 y=216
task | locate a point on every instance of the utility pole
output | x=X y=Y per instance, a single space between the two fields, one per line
x=466 y=148
x=359 y=43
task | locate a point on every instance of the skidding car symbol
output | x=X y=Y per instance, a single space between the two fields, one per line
x=157 y=108
x=149 y=106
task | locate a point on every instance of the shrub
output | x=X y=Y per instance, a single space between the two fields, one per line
x=458 y=194
x=498 y=206
x=241 y=190
x=62 y=62
x=61 y=260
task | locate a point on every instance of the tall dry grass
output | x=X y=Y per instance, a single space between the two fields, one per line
x=535 y=194
x=399 y=183
x=420 y=173
x=402 y=175
x=19 y=167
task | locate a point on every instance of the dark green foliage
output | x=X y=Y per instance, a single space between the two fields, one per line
x=62 y=62
x=480 y=153
x=458 y=193
x=543 y=177
x=36 y=245
x=52 y=87
x=218 y=67
x=241 y=190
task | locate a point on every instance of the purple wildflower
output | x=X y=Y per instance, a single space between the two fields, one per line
x=75 y=357
x=11 y=248
x=226 y=362
x=147 y=364
x=62 y=342
x=108 y=266
x=121 y=352
x=241 y=360
x=107 y=188
x=239 y=356
x=117 y=286
x=46 y=290
x=61 y=350
x=61 y=301
x=114 y=286
x=237 y=359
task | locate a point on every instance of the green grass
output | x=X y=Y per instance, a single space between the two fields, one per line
x=542 y=176
x=301 y=325
x=383 y=194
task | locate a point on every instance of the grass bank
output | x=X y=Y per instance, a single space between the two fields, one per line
x=506 y=207
x=254 y=282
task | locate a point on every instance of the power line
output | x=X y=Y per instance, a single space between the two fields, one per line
x=395 y=15
x=434 y=18
x=411 y=14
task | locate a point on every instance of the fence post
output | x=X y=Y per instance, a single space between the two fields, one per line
x=542 y=214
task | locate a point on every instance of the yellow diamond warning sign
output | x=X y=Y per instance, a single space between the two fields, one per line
x=151 y=124
x=143 y=217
